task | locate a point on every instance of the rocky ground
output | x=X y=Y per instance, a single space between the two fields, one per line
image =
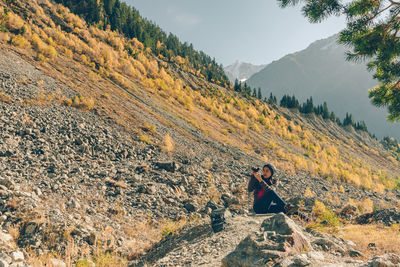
x=258 y=240
x=67 y=174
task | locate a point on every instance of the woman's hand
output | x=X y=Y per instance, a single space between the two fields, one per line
x=257 y=175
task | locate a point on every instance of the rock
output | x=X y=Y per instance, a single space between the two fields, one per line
x=288 y=262
x=278 y=237
x=168 y=166
x=350 y=243
x=190 y=205
x=57 y=263
x=4 y=257
x=142 y=169
x=229 y=200
x=5 y=238
x=218 y=219
x=211 y=205
x=7 y=183
x=316 y=255
x=29 y=229
x=17 y=256
x=372 y=246
x=169 y=200
x=386 y=260
x=328 y=245
x=91 y=239
x=349 y=212
x=301 y=260
x=385 y=216
x=3 y=263
x=355 y=253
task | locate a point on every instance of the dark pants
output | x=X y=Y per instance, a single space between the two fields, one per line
x=269 y=203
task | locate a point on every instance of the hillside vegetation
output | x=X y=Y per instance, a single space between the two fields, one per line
x=111 y=147
x=53 y=35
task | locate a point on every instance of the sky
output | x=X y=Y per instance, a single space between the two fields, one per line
x=253 y=31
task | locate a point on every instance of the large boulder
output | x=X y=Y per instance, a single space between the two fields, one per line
x=386 y=260
x=384 y=216
x=277 y=237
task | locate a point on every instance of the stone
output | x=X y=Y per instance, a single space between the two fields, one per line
x=91 y=239
x=3 y=263
x=190 y=205
x=5 y=238
x=17 y=256
x=17 y=264
x=7 y=183
x=57 y=263
x=229 y=200
x=301 y=260
x=4 y=257
x=316 y=255
x=350 y=243
x=372 y=246
x=329 y=245
x=285 y=263
x=211 y=205
x=278 y=237
x=385 y=216
x=355 y=253
x=386 y=260
x=29 y=229
x=349 y=212
x=168 y=166
x=218 y=219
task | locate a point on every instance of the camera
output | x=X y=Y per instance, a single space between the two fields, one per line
x=255 y=169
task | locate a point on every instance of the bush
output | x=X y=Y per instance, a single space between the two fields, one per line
x=20 y=41
x=14 y=22
x=324 y=218
x=80 y=102
x=4 y=37
x=169 y=144
x=146 y=139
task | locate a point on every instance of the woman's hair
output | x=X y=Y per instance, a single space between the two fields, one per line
x=271 y=167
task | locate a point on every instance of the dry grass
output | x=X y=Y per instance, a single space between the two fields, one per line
x=308 y=192
x=4 y=97
x=149 y=128
x=14 y=231
x=80 y=102
x=169 y=144
x=20 y=41
x=121 y=183
x=146 y=139
x=386 y=238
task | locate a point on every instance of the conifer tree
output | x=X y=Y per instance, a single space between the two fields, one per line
x=259 y=94
x=272 y=99
x=332 y=116
x=348 y=120
x=308 y=106
x=127 y=20
x=372 y=31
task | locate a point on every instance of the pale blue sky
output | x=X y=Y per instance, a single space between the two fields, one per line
x=254 y=31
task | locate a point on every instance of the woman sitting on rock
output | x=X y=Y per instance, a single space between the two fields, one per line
x=266 y=200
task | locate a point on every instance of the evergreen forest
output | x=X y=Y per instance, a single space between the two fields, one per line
x=127 y=20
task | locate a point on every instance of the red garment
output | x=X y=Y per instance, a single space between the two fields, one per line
x=260 y=193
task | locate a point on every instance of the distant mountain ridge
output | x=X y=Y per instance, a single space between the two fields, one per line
x=322 y=72
x=241 y=70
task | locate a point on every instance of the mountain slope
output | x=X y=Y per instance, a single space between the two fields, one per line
x=322 y=72
x=241 y=70
x=104 y=154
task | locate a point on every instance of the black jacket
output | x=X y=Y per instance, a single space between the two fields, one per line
x=260 y=188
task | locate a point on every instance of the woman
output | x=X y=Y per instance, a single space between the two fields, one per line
x=266 y=200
